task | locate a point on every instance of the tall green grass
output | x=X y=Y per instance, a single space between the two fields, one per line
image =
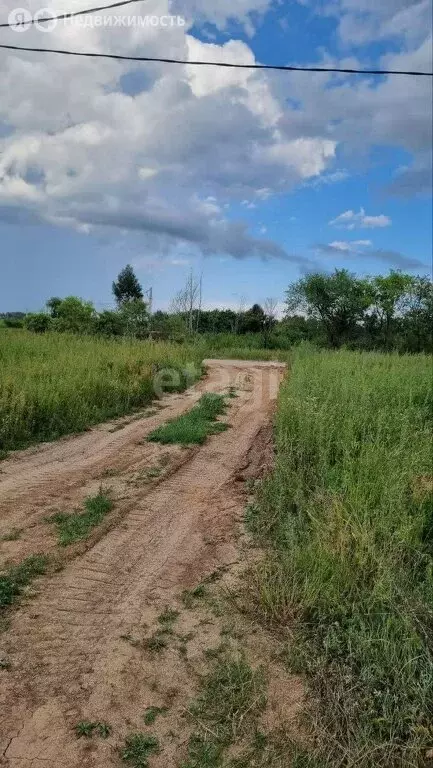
x=55 y=384
x=348 y=518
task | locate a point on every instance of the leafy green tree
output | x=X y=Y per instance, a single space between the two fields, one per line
x=53 y=305
x=417 y=324
x=127 y=288
x=110 y=324
x=391 y=296
x=165 y=324
x=37 y=322
x=339 y=300
x=135 y=318
x=75 y=316
x=253 y=320
x=217 y=321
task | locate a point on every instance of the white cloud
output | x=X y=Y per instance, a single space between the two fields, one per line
x=349 y=247
x=351 y=220
x=328 y=178
x=166 y=161
x=222 y=11
x=169 y=160
x=146 y=173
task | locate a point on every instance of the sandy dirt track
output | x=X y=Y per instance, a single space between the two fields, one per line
x=68 y=657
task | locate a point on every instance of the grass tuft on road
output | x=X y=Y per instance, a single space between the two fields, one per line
x=232 y=698
x=87 y=729
x=77 y=525
x=194 y=426
x=347 y=516
x=138 y=748
x=16 y=578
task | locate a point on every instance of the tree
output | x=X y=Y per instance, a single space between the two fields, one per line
x=165 y=325
x=417 y=324
x=187 y=302
x=390 y=296
x=109 y=323
x=135 y=318
x=37 y=322
x=339 y=300
x=127 y=288
x=270 y=310
x=53 y=306
x=75 y=316
x=253 y=320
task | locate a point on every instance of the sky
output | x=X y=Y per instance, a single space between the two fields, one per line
x=250 y=178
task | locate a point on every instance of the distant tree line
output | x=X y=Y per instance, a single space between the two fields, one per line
x=12 y=319
x=73 y=315
x=392 y=312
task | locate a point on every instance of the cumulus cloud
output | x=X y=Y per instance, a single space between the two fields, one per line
x=361 y=21
x=351 y=220
x=166 y=159
x=164 y=152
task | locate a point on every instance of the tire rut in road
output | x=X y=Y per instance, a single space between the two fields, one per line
x=66 y=646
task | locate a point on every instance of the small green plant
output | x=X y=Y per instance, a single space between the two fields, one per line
x=168 y=616
x=232 y=698
x=232 y=392
x=135 y=642
x=138 y=747
x=152 y=713
x=157 y=642
x=14 y=580
x=88 y=729
x=189 y=596
x=77 y=525
x=195 y=425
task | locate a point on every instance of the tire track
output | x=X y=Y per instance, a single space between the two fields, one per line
x=66 y=646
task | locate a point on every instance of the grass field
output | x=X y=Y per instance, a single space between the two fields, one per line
x=53 y=385
x=348 y=519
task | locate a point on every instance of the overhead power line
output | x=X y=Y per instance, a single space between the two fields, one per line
x=46 y=19
x=224 y=64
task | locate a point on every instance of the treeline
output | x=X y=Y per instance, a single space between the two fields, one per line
x=12 y=319
x=73 y=315
x=385 y=313
x=392 y=312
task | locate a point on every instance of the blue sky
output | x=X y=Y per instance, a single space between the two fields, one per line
x=250 y=178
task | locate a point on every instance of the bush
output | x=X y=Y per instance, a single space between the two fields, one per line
x=38 y=322
x=109 y=324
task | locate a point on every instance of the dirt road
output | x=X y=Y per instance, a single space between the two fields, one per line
x=68 y=646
